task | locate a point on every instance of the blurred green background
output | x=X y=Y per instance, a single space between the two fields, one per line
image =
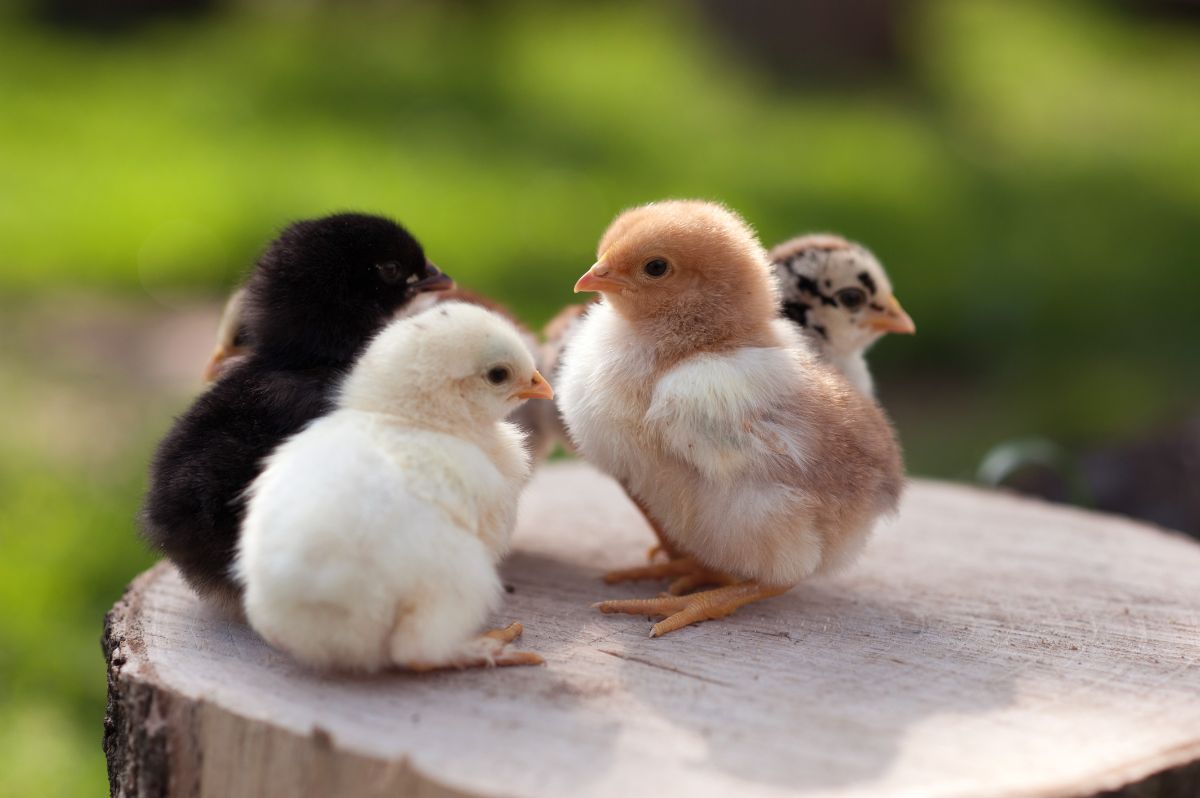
x=1029 y=172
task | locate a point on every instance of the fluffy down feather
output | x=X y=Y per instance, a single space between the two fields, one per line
x=319 y=293
x=749 y=452
x=372 y=537
x=839 y=294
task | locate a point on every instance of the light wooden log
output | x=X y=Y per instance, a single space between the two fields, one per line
x=984 y=646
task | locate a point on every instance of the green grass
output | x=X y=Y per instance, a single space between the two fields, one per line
x=1032 y=181
x=68 y=489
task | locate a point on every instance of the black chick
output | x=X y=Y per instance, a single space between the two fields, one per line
x=317 y=296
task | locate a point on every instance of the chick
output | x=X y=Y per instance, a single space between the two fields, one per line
x=316 y=297
x=534 y=418
x=756 y=462
x=372 y=537
x=233 y=342
x=838 y=292
x=557 y=333
x=538 y=420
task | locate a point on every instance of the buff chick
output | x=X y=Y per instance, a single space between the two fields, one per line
x=755 y=461
x=838 y=292
x=372 y=537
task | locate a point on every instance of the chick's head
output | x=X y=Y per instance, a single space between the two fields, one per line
x=839 y=291
x=324 y=286
x=684 y=268
x=453 y=364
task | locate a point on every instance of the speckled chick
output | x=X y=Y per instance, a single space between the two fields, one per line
x=838 y=292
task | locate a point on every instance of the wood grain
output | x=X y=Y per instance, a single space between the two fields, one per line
x=984 y=646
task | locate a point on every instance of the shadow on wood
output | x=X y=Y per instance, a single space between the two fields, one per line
x=985 y=645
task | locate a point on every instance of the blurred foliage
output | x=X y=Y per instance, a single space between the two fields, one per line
x=1030 y=176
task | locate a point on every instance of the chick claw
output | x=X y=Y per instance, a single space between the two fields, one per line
x=681 y=611
x=490 y=650
x=503 y=656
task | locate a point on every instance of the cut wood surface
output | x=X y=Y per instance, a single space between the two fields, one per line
x=984 y=646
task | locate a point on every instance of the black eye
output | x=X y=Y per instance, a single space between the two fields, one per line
x=655 y=268
x=852 y=298
x=497 y=375
x=389 y=272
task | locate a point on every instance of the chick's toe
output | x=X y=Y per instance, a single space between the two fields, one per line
x=507 y=634
x=661 y=570
x=492 y=649
x=684 y=611
x=701 y=577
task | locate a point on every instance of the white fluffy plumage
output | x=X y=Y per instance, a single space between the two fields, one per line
x=372 y=537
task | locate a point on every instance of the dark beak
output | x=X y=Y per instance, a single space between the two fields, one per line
x=434 y=280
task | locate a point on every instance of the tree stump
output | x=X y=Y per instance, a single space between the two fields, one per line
x=984 y=646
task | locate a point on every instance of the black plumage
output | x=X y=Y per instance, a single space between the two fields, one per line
x=317 y=296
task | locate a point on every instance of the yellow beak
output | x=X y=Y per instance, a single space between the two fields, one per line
x=538 y=389
x=600 y=278
x=892 y=319
x=213 y=368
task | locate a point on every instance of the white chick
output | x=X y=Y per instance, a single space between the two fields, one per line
x=372 y=537
x=756 y=462
x=536 y=419
x=839 y=293
x=539 y=420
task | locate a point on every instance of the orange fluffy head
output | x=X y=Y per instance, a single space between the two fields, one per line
x=685 y=271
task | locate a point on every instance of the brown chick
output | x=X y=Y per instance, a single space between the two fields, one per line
x=754 y=460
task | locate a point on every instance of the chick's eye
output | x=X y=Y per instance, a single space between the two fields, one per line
x=851 y=298
x=497 y=375
x=655 y=268
x=389 y=272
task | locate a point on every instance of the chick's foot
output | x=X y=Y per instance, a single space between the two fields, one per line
x=670 y=569
x=701 y=577
x=681 y=611
x=489 y=650
x=687 y=573
x=655 y=550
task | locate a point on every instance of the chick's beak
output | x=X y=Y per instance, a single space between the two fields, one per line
x=212 y=369
x=538 y=388
x=600 y=278
x=893 y=319
x=434 y=280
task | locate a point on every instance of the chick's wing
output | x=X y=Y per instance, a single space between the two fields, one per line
x=727 y=414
